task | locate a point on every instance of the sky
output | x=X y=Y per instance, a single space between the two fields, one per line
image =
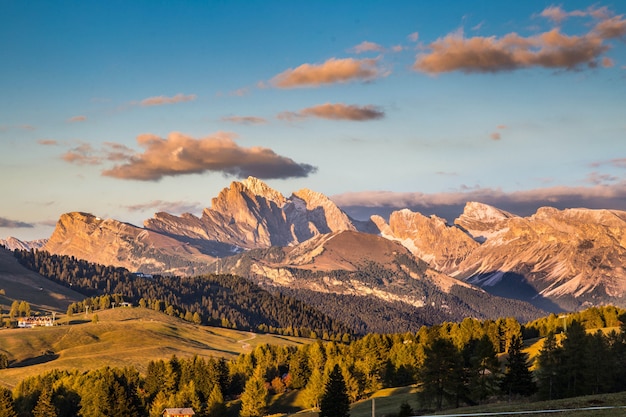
x=124 y=109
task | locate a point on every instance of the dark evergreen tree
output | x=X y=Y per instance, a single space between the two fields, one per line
x=518 y=378
x=6 y=403
x=574 y=366
x=483 y=369
x=335 y=401
x=549 y=364
x=441 y=376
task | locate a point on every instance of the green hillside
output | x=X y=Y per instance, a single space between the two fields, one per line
x=20 y=283
x=121 y=337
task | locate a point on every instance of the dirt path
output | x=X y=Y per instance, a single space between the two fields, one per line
x=245 y=345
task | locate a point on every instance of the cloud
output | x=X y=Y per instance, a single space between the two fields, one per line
x=330 y=72
x=337 y=111
x=495 y=136
x=558 y=15
x=86 y=154
x=14 y=224
x=161 y=100
x=511 y=52
x=172 y=207
x=612 y=28
x=179 y=154
x=551 y=49
x=77 y=119
x=245 y=120
x=47 y=142
x=366 y=46
x=83 y=154
x=413 y=37
x=450 y=205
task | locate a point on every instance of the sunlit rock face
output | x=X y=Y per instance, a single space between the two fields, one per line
x=429 y=238
x=573 y=257
x=111 y=242
x=249 y=214
x=557 y=259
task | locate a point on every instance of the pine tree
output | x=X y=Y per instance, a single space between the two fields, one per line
x=254 y=397
x=518 y=379
x=441 y=375
x=44 y=406
x=6 y=403
x=335 y=401
x=215 y=406
x=548 y=365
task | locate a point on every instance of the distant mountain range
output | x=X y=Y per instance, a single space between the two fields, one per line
x=304 y=244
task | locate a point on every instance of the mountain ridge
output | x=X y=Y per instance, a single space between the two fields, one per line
x=556 y=259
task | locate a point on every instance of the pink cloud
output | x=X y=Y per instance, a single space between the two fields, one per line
x=47 y=142
x=612 y=196
x=495 y=136
x=337 y=111
x=366 y=46
x=413 y=37
x=245 y=120
x=179 y=154
x=330 y=72
x=551 y=49
x=173 y=207
x=77 y=119
x=83 y=154
x=161 y=100
x=490 y=54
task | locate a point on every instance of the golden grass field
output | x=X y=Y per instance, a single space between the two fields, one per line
x=122 y=336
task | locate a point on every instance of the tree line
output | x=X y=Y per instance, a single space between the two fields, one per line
x=470 y=362
x=216 y=300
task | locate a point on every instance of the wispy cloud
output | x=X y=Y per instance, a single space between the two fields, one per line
x=366 y=46
x=161 y=100
x=77 y=119
x=179 y=154
x=86 y=154
x=552 y=49
x=601 y=195
x=413 y=37
x=330 y=72
x=47 y=142
x=245 y=120
x=172 y=207
x=14 y=224
x=337 y=111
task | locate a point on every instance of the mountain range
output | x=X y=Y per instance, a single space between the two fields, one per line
x=305 y=245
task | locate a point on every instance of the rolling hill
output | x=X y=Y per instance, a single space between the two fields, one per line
x=121 y=337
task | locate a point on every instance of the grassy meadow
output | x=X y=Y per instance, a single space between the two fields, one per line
x=122 y=337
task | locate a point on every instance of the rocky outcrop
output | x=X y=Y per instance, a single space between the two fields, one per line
x=12 y=243
x=110 y=242
x=249 y=214
x=429 y=238
x=571 y=257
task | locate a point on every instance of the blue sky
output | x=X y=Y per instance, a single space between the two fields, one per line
x=123 y=109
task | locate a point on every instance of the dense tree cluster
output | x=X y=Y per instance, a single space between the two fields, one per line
x=218 y=300
x=452 y=364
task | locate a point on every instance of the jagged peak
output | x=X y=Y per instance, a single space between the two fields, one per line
x=313 y=198
x=484 y=212
x=259 y=187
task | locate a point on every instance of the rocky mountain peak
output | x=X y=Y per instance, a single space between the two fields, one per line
x=483 y=221
x=261 y=189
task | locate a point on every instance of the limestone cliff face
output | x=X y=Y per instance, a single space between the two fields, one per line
x=110 y=242
x=429 y=238
x=572 y=256
x=249 y=214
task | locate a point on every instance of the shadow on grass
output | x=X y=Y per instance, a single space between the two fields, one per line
x=37 y=360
